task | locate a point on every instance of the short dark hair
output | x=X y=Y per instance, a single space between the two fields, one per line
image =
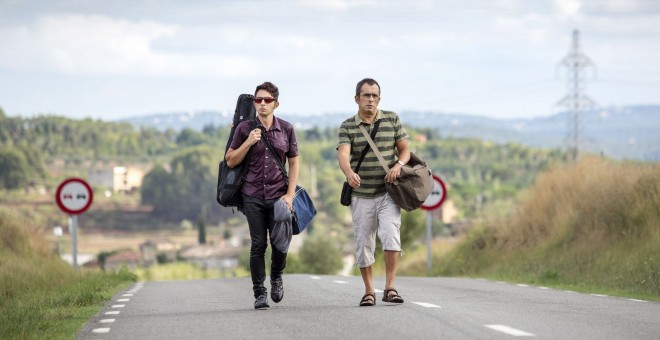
x=368 y=81
x=270 y=88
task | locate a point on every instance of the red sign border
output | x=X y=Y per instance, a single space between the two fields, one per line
x=59 y=191
x=442 y=199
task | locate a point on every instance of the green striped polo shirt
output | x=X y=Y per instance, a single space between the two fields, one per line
x=371 y=173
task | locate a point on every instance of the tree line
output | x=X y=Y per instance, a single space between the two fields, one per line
x=183 y=177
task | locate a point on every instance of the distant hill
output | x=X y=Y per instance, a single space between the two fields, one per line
x=631 y=132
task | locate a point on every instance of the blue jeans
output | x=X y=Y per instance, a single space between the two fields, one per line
x=259 y=214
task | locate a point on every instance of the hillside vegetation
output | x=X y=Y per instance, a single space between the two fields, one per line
x=593 y=224
x=43 y=296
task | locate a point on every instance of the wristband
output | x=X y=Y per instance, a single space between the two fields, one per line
x=400 y=163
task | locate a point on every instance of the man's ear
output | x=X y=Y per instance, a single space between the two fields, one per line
x=277 y=103
x=357 y=99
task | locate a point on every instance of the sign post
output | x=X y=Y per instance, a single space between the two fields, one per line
x=434 y=201
x=74 y=196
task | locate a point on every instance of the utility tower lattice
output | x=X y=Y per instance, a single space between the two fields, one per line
x=576 y=100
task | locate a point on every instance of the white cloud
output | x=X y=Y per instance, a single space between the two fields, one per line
x=337 y=5
x=568 y=7
x=99 y=45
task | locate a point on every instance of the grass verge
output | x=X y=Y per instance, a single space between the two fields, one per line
x=41 y=296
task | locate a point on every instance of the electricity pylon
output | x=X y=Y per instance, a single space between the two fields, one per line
x=576 y=100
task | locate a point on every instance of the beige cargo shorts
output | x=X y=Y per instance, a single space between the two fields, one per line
x=371 y=216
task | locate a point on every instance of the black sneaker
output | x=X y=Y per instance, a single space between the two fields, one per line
x=261 y=302
x=276 y=290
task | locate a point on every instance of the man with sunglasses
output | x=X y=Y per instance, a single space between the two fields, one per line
x=264 y=186
x=373 y=210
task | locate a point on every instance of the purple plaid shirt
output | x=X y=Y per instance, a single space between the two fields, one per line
x=264 y=180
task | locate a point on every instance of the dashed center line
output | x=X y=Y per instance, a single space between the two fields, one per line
x=118 y=306
x=114 y=312
x=123 y=300
x=101 y=330
x=107 y=321
x=509 y=330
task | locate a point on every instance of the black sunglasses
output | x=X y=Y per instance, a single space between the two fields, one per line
x=257 y=100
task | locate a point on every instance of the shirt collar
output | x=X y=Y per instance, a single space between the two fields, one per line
x=276 y=124
x=359 y=120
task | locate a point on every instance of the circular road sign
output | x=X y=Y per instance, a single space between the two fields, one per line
x=437 y=196
x=74 y=196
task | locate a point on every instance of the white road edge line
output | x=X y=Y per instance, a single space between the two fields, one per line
x=123 y=300
x=107 y=321
x=118 y=306
x=112 y=312
x=101 y=330
x=378 y=291
x=636 y=300
x=314 y=277
x=341 y=282
x=509 y=330
x=427 y=305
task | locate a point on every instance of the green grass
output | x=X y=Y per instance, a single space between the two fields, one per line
x=58 y=312
x=42 y=296
x=184 y=271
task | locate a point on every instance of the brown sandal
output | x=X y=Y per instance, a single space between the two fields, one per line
x=368 y=300
x=394 y=298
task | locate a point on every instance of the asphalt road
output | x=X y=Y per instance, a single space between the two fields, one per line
x=326 y=307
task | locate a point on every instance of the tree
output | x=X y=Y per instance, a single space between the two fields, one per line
x=14 y=169
x=319 y=255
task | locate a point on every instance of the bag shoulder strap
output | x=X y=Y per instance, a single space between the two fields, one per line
x=272 y=153
x=375 y=148
x=367 y=147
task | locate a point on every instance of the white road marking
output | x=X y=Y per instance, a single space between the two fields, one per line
x=123 y=300
x=599 y=295
x=101 y=330
x=342 y=282
x=114 y=312
x=118 y=306
x=509 y=330
x=427 y=305
x=314 y=277
x=522 y=285
x=136 y=288
x=544 y=288
x=637 y=300
x=378 y=291
x=107 y=321
x=127 y=295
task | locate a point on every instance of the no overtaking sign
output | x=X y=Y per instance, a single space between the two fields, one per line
x=437 y=196
x=74 y=196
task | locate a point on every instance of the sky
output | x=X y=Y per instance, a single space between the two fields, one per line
x=105 y=59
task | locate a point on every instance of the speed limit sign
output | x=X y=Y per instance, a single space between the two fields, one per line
x=74 y=196
x=437 y=196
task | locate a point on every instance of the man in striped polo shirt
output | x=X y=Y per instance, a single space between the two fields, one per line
x=373 y=210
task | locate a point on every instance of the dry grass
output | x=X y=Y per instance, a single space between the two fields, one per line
x=596 y=222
